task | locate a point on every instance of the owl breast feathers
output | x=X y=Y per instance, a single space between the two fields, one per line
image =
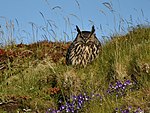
x=84 y=49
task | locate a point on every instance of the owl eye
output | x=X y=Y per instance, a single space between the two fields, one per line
x=82 y=36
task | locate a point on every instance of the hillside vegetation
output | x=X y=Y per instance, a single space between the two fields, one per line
x=35 y=79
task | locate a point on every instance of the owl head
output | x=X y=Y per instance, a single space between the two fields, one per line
x=85 y=36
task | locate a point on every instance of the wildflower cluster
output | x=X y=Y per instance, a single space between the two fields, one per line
x=76 y=103
x=129 y=110
x=119 y=88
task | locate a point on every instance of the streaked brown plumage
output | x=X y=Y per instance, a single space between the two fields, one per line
x=84 y=49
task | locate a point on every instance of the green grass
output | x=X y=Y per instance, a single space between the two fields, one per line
x=34 y=77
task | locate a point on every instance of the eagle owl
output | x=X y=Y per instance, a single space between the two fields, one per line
x=84 y=49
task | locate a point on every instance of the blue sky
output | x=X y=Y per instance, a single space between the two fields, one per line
x=58 y=18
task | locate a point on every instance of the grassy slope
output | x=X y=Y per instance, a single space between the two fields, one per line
x=33 y=77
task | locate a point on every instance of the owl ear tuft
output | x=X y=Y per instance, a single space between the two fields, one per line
x=78 y=30
x=93 y=29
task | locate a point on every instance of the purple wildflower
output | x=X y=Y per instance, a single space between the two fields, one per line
x=118 y=88
x=76 y=104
